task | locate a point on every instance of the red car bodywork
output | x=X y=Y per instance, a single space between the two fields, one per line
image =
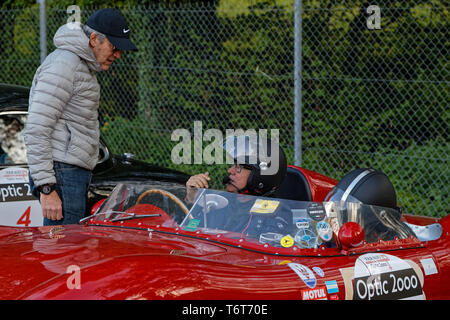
x=130 y=260
x=318 y=184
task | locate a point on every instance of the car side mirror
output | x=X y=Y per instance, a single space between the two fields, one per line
x=351 y=235
x=103 y=153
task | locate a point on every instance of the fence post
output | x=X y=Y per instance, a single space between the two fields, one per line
x=42 y=29
x=298 y=83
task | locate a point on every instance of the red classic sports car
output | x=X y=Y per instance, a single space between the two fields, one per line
x=154 y=242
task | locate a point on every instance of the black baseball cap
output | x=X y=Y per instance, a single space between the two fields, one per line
x=113 y=25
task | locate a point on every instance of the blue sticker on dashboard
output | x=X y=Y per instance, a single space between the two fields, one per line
x=324 y=230
x=192 y=225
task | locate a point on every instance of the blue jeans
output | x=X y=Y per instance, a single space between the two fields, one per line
x=72 y=184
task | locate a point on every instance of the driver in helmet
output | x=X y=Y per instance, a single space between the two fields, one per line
x=259 y=167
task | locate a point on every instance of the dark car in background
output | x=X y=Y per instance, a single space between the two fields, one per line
x=18 y=207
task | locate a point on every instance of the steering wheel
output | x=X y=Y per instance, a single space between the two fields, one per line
x=171 y=196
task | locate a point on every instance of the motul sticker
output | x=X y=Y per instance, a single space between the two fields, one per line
x=319 y=293
x=378 y=276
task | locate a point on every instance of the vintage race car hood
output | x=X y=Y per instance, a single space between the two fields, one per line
x=35 y=256
x=40 y=263
x=107 y=262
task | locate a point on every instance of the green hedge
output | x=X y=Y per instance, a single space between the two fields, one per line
x=375 y=98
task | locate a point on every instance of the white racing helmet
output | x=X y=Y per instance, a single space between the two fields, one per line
x=263 y=156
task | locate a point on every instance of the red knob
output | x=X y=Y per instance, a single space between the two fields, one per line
x=351 y=235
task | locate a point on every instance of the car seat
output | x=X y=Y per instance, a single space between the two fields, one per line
x=294 y=186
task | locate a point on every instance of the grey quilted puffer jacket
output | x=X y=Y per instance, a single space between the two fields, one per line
x=63 y=108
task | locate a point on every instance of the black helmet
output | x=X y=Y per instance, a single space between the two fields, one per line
x=368 y=186
x=263 y=156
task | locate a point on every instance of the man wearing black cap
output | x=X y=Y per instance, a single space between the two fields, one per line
x=111 y=36
x=62 y=131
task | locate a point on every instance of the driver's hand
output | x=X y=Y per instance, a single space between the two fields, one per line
x=195 y=182
x=199 y=181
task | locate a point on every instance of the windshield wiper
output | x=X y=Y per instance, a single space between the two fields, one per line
x=131 y=216
x=89 y=217
x=135 y=216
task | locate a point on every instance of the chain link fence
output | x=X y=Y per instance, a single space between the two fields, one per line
x=372 y=96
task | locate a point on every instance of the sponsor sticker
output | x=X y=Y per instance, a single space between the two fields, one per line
x=380 y=276
x=318 y=293
x=332 y=286
x=19 y=206
x=302 y=223
x=14 y=175
x=14 y=185
x=264 y=206
x=324 y=230
x=316 y=211
x=304 y=273
x=333 y=296
x=192 y=225
x=287 y=241
x=319 y=271
x=428 y=266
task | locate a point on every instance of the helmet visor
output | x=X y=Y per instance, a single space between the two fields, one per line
x=257 y=151
x=242 y=149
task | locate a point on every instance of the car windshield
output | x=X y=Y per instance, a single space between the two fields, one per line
x=272 y=221
x=250 y=219
x=128 y=201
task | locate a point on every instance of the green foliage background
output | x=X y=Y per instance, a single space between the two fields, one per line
x=370 y=98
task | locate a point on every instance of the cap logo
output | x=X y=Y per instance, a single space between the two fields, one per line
x=113 y=24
